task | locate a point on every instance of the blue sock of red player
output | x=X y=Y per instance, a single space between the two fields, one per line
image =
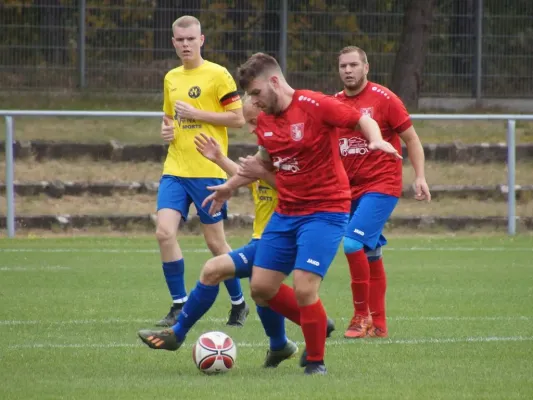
x=274 y=326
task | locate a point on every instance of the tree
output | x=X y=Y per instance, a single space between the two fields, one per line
x=407 y=72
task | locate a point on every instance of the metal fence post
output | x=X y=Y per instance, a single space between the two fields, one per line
x=10 y=189
x=81 y=44
x=511 y=169
x=284 y=18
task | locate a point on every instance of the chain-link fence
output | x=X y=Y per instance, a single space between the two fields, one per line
x=124 y=45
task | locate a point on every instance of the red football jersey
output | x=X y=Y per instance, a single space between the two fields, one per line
x=302 y=143
x=374 y=171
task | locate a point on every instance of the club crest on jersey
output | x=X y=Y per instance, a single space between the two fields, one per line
x=297 y=131
x=195 y=92
x=367 y=111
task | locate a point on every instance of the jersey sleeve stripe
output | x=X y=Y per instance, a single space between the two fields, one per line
x=404 y=126
x=230 y=98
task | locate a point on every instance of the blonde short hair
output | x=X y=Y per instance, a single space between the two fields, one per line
x=185 y=21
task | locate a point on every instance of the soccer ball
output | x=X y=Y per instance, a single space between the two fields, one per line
x=214 y=352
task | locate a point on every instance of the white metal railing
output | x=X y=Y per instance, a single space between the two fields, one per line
x=10 y=114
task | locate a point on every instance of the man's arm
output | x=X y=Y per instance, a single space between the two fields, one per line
x=415 y=152
x=255 y=166
x=369 y=128
x=230 y=118
x=210 y=149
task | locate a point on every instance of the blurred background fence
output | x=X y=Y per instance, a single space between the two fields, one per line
x=124 y=45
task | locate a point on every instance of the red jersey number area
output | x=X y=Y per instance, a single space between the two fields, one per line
x=374 y=171
x=303 y=145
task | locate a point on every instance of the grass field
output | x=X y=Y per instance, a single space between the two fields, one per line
x=146 y=130
x=460 y=320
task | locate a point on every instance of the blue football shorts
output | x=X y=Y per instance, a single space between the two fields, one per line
x=305 y=242
x=244 y=258
x=368 y=217
x=178 y=193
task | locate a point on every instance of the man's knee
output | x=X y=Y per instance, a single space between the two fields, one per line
x=306 y=285
x=217 y=270
x=165 y=234
x=262 y=292
x=352 y=245
x=167 y=225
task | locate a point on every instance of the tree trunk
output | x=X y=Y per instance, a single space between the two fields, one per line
x=165 y=13
x=407 y=72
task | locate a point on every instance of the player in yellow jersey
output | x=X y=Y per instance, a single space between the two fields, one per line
x=237 y=263
x=199 y=96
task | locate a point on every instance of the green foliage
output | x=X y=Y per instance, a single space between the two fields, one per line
x=120 y=41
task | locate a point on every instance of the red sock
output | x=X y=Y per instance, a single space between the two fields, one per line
x=314 y=326
x=284 y=303
x=360 y=274
x=378 y=287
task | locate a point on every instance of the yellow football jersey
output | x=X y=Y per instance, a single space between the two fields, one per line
x=209 y=87
x=265 y=201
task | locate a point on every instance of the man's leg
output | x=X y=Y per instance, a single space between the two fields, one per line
x=312 y=262
x=201 y=298
x=215 y=238
x=238 y=264
x=370 y=214
x=172 y=206
x=378 y=289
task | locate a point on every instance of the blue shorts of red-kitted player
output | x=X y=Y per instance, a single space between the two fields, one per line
x=178 y=193
x=368 y=217
x=243 y=259
x=304 y=242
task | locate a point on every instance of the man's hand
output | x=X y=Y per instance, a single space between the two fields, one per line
x=208 y=147
x=185 y=110
x=221 y=194
x=421 y=190
x=385 y=147
x=167 y=130
x=251 y=167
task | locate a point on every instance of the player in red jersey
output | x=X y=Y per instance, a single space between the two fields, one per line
x=376 y=185
x=297 y=136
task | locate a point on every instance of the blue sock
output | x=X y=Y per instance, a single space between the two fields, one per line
x=235 y=291
x=274 y=326
x=174 y=273
x=200 y=301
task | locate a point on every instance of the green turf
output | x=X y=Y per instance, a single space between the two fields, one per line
x=461 y=325
x=146 y=130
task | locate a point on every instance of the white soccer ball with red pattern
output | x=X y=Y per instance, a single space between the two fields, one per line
x=214 y=352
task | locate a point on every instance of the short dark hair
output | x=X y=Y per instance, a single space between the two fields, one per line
x=354 y=49
x=255 y=66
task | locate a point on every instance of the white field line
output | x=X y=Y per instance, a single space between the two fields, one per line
x=420 y=341
x=18 y=268
x=202 y=250
x=252 y=319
